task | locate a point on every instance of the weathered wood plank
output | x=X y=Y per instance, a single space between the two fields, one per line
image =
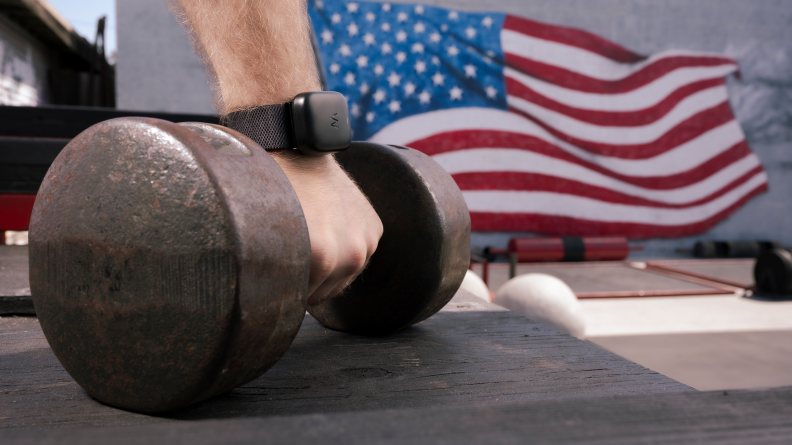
x=470 y=353
x=743 y=417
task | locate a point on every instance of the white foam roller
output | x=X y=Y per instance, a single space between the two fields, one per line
x=475 y=285
x=543 y=298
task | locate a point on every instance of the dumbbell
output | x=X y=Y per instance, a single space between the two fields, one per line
x=169 y=262
x=773 y=273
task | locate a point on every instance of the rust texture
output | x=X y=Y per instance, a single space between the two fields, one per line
x=425 y=248
x=168 y=263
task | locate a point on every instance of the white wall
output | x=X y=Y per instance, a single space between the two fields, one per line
x=156 y=67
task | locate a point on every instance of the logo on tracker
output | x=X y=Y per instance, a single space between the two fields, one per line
x=335 y=121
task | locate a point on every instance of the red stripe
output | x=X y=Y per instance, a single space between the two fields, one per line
x=576 y=81
x=15 y=210
x=516 y=181
x=560 y=225
x=573 y=37
x=633 y=118
x=474 y=139
x=685 y=131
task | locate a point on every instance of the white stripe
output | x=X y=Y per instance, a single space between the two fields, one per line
x=682 y=158
x=638 y=99
x=512 y=160
x=688 y=107
x=579 y=60
x=558 y=204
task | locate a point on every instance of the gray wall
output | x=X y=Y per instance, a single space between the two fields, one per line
x=157 y=71
x=156 y=67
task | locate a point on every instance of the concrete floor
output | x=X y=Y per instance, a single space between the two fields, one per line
x=707 y=342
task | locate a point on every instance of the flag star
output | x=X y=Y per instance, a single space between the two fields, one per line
x=435 y=37
x=436 y=60
x=419 y=28
x=401 y=56
x=487 y=59
x=334 y=68
x=453 y=15
x=344 y=50
x=456 y=93
x=353 y=29
x=491 y=53
x=420 y=66
x=418 y=48
x=385 y=27
x=470 y=32
x=438 y=79
x=349 y=79
x=336 y=18
x=409 y=88
x=370 y=117
x=379 y=96
x=419 y=9
x=491 y=91
x=386 y=7
x=355 y=110
x=401 y=36
x=444 y=27
x=394 y=106
x=401 y=17
x=386 y=48
x=470 y=70
x=370 y=16
x=487 y=21
x=424 y=97
x=363 y=61
x=378 y=69
x=364 y=88
x=368 y=39
x=327 y=36
x=394 y=79
x=352 y=7
x=319 y=4
x=453 y=50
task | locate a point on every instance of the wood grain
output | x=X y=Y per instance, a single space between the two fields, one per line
x=471 y=353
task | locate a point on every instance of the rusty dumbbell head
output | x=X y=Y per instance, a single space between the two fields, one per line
x=168 y=262
x=424 y=251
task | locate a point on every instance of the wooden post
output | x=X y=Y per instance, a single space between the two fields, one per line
x=512 y=265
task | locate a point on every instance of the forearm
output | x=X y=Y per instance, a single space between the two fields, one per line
x=259 y=50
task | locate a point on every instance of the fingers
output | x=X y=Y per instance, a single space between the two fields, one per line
x=344 y=228
x=334 y=266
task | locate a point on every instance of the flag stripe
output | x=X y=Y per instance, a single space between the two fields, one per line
x=572 y=37
x=635 y=100
x=607 y=119
x=561 y=204
x=563 y=225
x=687 y=130
x=685 y=156
x=519 y=161
x=576 y=81
x=532 y=182
x=479 y=139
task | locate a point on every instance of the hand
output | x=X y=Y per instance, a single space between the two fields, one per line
x=343 y=227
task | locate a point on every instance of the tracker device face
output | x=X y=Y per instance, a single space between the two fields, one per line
x=321 y=122
x=315 y=123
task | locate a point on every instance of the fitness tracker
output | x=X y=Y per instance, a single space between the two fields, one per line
x=315 y=123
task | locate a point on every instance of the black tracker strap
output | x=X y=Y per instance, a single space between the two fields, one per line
x=269 y=126
x=315 y=123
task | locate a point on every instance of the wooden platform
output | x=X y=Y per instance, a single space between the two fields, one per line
x=473 y=373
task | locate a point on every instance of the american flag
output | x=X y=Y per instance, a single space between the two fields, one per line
x=545 y=129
